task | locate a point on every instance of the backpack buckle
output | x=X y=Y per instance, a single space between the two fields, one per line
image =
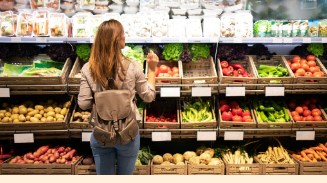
x=115 y=120
x=103 y=139
x=115 y=123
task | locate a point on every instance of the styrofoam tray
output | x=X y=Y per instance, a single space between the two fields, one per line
x=194 y=12
x=178 y=17
x=101 y=2
x=179 y=11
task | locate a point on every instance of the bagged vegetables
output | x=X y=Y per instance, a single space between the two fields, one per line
x=211 y=27
x=81 y=25
x=58 y=25
x=7 y=23
x=198 y=112
x=95 y=21
x=25 y=25
x=323 y=28
x=313 y=27
x=40 y=23
x=260 y=28
x=176 y=28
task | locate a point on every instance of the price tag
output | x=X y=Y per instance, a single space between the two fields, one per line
x=156 y=40
x=86 y=136
x=170 y=92
x=237 y=40
x=323 y=40
x=277 y=40
x=206 y=136
x=161 y=136
x=214 y=39
x=275 y=91
x=235 y=91
x=24 y=138
x=305 y=135
x=288 y=40
x=16 y=39
x=5 y=92
x=91 y=39
x=201 y=91
x=41 y=39
x=183 y=40
x=306 y=40
x=233 y=135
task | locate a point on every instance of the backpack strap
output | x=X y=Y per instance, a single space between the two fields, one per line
x=125 y=65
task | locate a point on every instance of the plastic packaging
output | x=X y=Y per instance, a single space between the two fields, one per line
x=36 y=3
x=24 y=25
x=228 y=25
x=133 y=3
x=268 y=29
x=128 y=21
x=109 y=16
x=287 y=28
x=274 y=28
x=162 y=8
x=169 y=3
x=313 y=27
x=211 y=27
x=260 y=28
x=176 y=28
x=234 y=6
x=101 y=2
x=55 y=4
x=303 y=28
x=147 y=5
x=70 y=27
x=244 y=25
x=177 y=11
x=40 y=23
x=193 y=28
x=280 y=30
x=15 y=18
x=81 y=25
x=130 y=10
x=58 y=25
x=100 y=9
x=87 y=4
x=323 y=28
x=296 y=28
x=189 y=4
x=143 y=24
x=7 y=23
x=216 y=5
x=159 y=22
x=95 y=21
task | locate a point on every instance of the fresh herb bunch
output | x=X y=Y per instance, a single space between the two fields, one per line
x=60 y=52
x=240 y=51
x=199 y=50
x=172 y=51
x=131 y=45
x=301 y=50
x=144 y=155
x=187 y=55
x=83 y=51
x=261 y=50
x=316 y=49
x=226 y=52
x=155 y=48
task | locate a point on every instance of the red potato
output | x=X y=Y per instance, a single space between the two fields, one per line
x=47 y=162
x=29 y=162
x=49 y=155
x=36 y=163
x=56 y=155
x=68 y=149
x=45 y=158
x=53 y=151
x=70 y=154
x=36 y=159
x=61 y=149
x=42 y=156
x=29 y=156
x=13 y=161
x=21 y=162
x=18 y=157
x=49 y=151
x=52 y=159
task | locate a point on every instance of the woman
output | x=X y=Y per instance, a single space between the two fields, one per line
x=105 y=62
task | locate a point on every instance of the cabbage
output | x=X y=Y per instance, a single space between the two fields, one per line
x=135 y=54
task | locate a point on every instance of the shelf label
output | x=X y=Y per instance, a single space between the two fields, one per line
x=214 y=39
x=183 y=40
x=235 y=91
x=306 y=40
x=41 y=39
x=91 y=39
x=201 y=91
x=24 y=138
x=161 y=136
x=156 y=40
x=233 y=135
x=274 y=91
x=16 y=39
x=170 y=92
x=5 y=92
x=288 y=40
x=323 y=40
x=277 y=40
x=237 y=40
x=86 y=136
x=206 y=136
x=305 y=135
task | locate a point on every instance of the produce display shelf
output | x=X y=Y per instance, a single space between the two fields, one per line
x=32 y=40
x=272 y=40
x=38 y=134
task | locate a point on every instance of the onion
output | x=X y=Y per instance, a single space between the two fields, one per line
x=88 y=161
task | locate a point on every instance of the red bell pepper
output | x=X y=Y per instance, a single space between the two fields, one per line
x=230 y=68
x=240 y=71
x=237 y=66
x=224 y=64
x=235 y=73
x=227 y=72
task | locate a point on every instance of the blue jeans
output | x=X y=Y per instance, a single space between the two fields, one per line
x=126 y=156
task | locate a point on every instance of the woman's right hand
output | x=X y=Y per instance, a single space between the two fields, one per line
x=152 y=60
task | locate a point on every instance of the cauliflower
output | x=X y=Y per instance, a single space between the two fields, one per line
x=200 y=150
x=194 y=161
x=205 y=158
x=157 y=159
x=209 y=151
x=168 y=157
x=180 y=163
x=188 y=155
x=178 y=158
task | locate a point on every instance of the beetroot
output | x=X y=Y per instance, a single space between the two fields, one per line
x=88 y=161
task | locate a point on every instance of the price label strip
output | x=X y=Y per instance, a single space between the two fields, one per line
x=86 y=136
x=274 y=91
x=170 y=92
x=5 y=92
x=288 y=40
x=237 y=40
x=305 y=135
x=156 y=40
x=323 y=40
x=206 y=136
x=24 y=138
x=41 y=39
x=306 y=40
x=233 y=135
x=161 y=136
x=277 y=40
x=235 y=91
x=214 y=39
x=16 y=39
x=183 y=40
x=201 y=91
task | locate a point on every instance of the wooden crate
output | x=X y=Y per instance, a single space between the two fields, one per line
x=76 y=69
x=81 y=169
x=278 y=169
x=206 y=169
x=56 y=125
x=1 y=168
x=312 y=168
x=173 y=169
x=167 y=106
x=237 y=125
x=248 y=66
x=78 y=125
x=40 y=169
x=202 y=71
x=234 y=169
x=36 y=80
x=274 y=61
x=171 y=80
x=305 y=80
x=209 y=125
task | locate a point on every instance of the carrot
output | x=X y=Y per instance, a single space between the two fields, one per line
x=314 y=160
x=323 y=153
x=316 y=155
x=323 y=147
x=46 y=27
x=305 y=156
x=326 y=144
x=34 y=28
x=308 y=151
x=316 y=148
x=56 y=31
x=322 y=157
x=310 y=156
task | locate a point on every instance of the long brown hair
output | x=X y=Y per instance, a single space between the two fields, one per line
x=106 y=53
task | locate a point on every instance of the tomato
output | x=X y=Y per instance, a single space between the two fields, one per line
x=297 y=74
x=233 y=104
x=225 y=108
x=300 y=71
x=322 y=74
x=175 y=70
x=248 y=120
x=317 y=74
x=295 y=66
x=246 y=117
x=305 y=66
x=304 y=107
x=226 y=116
x=163 y=69
x=222 y=102
x=296 y=59
x=316 y=112
x=306 y=113
x=308 y=74
x=307 y=102
x=237 y=118
x=246 y=113
x=289 y=63
x=312 y=106
x=237 y=111
x=313 y=100
x=170 y=73
x=310 y=118
x=304 y=119
x=292 y=105
x=303 y=61
x=311 y=58
x=176 y=75
x=318 y=68
x=317 y=118
x=299 y=110
x=313 y=69
x=174 y=120
x=157 y=71
x=312 y=64
x=297 y=118
x=294 y=113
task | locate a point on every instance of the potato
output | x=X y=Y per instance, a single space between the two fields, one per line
x=15 y=110
x=67 y=104
x=60 y=119
x=51 y=114
x=45 y=115
x=39 y=107
x=28 y=118
x=10 y=120
x=33 y=119
x=54 y=105
x=43 y=119
x=61 y=105
x=8 y=109
x=22 y=110
x=57 y=110
x=3 y=111
x=5 y=120
x=41 y=112
x=54 y=119
x=16 y=121
x=2 y=115
x=38 y=116
x=4 y=105
x=33 y=113
x=63 y=111
x=7 y=114
x=21 y=118
x=50 y=102
x=27 y=121
x=59 y=116
x=49 y=119
x=30 y=109
x=21 y=106
x=49 y=109
x=14 y=116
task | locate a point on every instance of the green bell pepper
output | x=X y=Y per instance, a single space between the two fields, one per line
x=276 y=106
x=271 y=116
x=280 y=120
x=287 y=117
x=263 y=116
